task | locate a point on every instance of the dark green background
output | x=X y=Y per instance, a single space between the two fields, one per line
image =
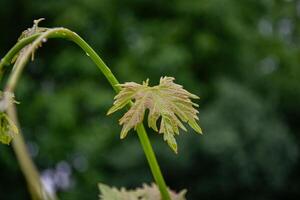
x=241 y=57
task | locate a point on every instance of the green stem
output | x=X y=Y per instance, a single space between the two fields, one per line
x=144 y=139
x=37 y=40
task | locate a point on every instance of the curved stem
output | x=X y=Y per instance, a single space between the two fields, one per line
x=37 y=40
x=27 y=166
x=15 y=50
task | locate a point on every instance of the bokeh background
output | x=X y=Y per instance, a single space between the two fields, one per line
x=241 y=57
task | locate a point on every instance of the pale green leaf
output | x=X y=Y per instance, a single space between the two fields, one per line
x=147 y=192
x=167 y=102
x=7 y=127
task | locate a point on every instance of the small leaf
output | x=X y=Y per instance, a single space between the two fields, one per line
x=7 y=129
x=167 y=101
x=5 y=138
x=33 y=30
x=12 y=125
x=7 y=126
x=147 y=192
x=27 y=33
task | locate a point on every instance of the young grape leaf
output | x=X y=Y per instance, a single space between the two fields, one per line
x=167 y=101
x=27 y=33
x=7 y=126
x=147 y=192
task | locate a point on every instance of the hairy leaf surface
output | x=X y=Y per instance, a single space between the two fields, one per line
x=147 y=192
x=167 y=102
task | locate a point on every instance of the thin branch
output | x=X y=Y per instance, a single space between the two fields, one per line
x=35 y=41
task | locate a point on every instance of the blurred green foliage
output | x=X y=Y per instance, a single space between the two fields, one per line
x=240 y=57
